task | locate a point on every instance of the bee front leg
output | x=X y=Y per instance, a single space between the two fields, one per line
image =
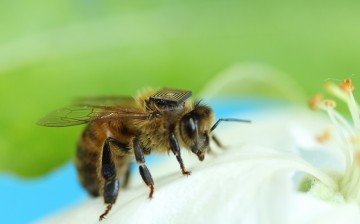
x=144 y=171
x=175 y=148
x=217 y=142
x=108 y=172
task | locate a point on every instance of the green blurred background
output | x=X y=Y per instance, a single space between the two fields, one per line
x=54 y=51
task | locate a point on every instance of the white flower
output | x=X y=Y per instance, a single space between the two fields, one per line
x=256 y=180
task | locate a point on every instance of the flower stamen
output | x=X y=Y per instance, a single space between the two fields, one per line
x=347 y=135
x=357 y=158
x=324 y=136
x=347 y=86
x=329 y=103
x=315 y=101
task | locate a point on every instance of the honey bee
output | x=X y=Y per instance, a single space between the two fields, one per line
x=121 y=128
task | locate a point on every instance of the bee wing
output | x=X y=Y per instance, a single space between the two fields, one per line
x=82 y=114
x=123 y=101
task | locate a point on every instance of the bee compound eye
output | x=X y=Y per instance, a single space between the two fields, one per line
x=190 y=127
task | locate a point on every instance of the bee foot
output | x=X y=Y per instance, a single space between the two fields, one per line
x=108 y=208
x=151 y=191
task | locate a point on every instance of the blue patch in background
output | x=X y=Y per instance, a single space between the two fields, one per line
x=23 y=201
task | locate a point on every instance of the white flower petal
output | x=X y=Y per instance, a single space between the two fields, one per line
x=307 y=209
x=290 y=129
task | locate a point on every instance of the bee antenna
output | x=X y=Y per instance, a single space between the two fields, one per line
x=228 y=119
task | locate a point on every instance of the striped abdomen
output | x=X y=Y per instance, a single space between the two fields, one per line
x=89 y=155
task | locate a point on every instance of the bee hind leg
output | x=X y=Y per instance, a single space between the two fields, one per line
x=144 y=171
x=111 y=183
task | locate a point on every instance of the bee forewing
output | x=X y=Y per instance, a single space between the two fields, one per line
x=69 y=116
x=123 y=101
x=82 y=114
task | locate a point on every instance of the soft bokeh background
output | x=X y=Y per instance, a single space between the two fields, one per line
x=54 y=51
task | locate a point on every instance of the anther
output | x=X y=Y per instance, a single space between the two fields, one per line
x=357 y=158
x=315 y=101
x=347 y=86
x=324 y=136
x=329 y=103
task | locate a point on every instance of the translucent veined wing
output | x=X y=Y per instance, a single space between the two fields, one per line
x=82 y=114
x=122 y=101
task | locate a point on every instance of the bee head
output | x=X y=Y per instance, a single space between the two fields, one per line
x=195 y=129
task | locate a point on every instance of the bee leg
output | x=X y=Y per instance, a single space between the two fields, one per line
x=217 y=142
x=144 y=171
x=111 y=184
x=175 y=148
x=124 y=149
